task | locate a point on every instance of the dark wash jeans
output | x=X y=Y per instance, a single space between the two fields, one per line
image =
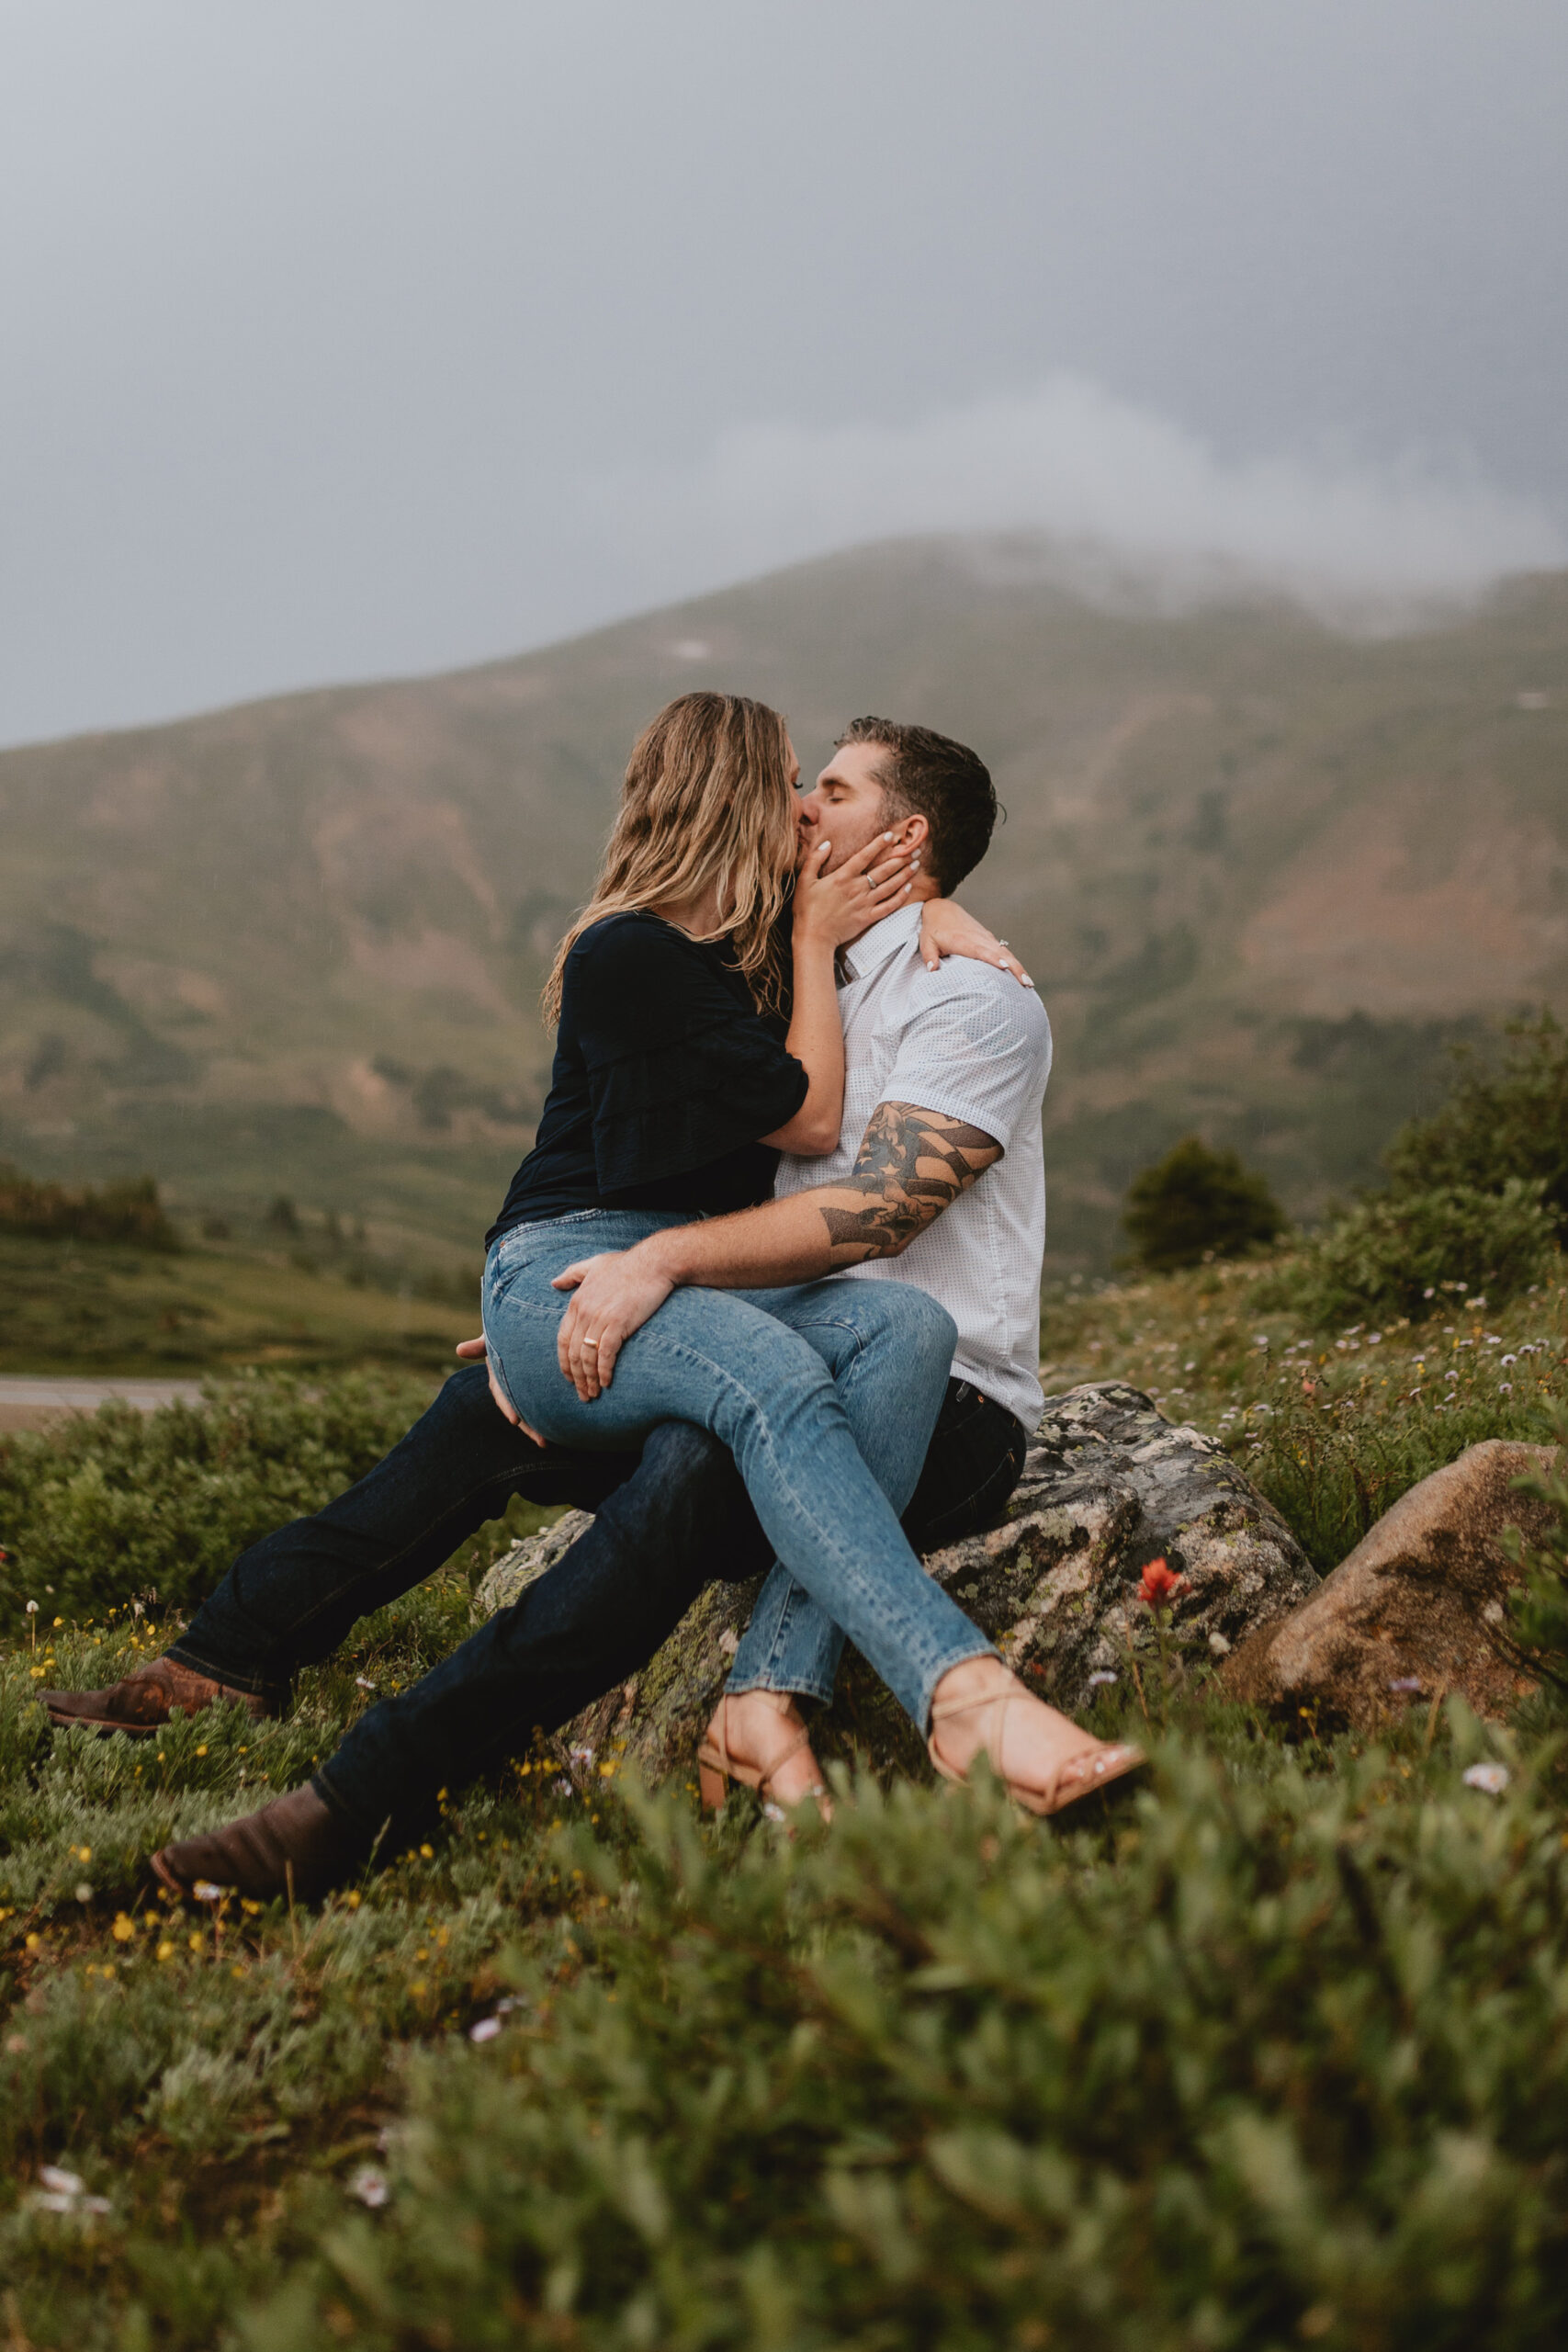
x=664 y=1526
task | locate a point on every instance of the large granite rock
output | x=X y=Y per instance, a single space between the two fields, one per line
x=1411 y=1610
x=1107 y=1485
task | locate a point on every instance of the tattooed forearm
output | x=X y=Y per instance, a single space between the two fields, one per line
x=910 y=1166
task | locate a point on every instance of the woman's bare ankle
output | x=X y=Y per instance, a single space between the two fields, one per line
x=969 y=1686
x=753 y=1722
x=1037 y=1735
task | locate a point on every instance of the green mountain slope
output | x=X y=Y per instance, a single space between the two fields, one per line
x=1261 y=871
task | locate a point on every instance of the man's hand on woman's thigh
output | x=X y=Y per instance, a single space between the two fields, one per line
x=613 y=1295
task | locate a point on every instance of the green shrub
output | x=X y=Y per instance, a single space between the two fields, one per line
x=1281 y=2063
x=1539 y=1607
x=1496 y=1126
x=127 y=1212
x=104 y=1508
x=1414 y=1253
x=1196 y=1204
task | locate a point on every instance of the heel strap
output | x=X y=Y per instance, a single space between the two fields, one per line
x=762 y=1778
x=802 y=1739
x=942 y=1710
x=1001 y=1700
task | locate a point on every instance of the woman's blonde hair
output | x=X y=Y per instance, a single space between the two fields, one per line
x=707 y=802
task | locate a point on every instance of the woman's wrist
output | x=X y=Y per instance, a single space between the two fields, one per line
x=661 y=1254
x=813 y=938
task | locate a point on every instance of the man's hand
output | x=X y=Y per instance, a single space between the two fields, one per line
x=616 y=1294
x=470 y=1352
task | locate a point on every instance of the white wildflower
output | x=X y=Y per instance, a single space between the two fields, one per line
x=369 y=2185
x=1492 y=1778
x=484 y=2029
x=1098 y=1679
x=60 y=2182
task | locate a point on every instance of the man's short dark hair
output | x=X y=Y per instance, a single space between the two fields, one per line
x=927 y=774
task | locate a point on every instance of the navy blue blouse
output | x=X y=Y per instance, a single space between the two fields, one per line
x=665 y=1075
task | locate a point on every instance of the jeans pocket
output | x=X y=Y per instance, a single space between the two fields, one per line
x=522 y=1246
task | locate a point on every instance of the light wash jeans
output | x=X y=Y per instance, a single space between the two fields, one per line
x=788 y=1380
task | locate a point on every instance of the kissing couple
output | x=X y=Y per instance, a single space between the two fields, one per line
x=766 y=1290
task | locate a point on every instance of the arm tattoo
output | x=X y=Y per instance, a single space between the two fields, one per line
x=911 y=1165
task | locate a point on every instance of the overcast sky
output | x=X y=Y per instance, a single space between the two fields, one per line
x=362 y=336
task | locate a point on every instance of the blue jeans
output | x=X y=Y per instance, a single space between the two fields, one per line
x=785 y=1379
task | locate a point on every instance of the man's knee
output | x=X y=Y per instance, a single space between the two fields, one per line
x=688 y=1495
x=681 y=1461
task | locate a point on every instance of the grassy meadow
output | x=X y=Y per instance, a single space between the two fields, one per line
x=1275 y=2055
x=118 y=1310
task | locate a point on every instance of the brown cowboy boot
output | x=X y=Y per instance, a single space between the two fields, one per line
x=296 y=1846
x=139 y=1705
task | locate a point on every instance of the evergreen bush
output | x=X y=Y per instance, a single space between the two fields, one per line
x=1276 y=2062
x=1196 y=1204
x=1413 y=1253
x=1497 y=1127
x=125 y=1211
x=1538 y=1609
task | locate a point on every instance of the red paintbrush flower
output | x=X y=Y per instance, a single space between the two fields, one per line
x=1161 y=1583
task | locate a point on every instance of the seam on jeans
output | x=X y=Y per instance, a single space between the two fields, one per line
x=766 y=1682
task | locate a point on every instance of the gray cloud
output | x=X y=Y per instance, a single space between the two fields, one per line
x=379 y=337
x=1355 y=539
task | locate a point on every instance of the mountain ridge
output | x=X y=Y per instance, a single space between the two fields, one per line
x=1263 y=871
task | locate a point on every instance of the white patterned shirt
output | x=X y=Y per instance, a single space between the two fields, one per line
x=967 y=1041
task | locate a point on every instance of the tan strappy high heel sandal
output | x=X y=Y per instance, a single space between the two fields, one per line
x=1082 y=1774
x=716 y=1764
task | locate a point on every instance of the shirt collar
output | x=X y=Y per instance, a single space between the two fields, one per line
x=871 y=949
